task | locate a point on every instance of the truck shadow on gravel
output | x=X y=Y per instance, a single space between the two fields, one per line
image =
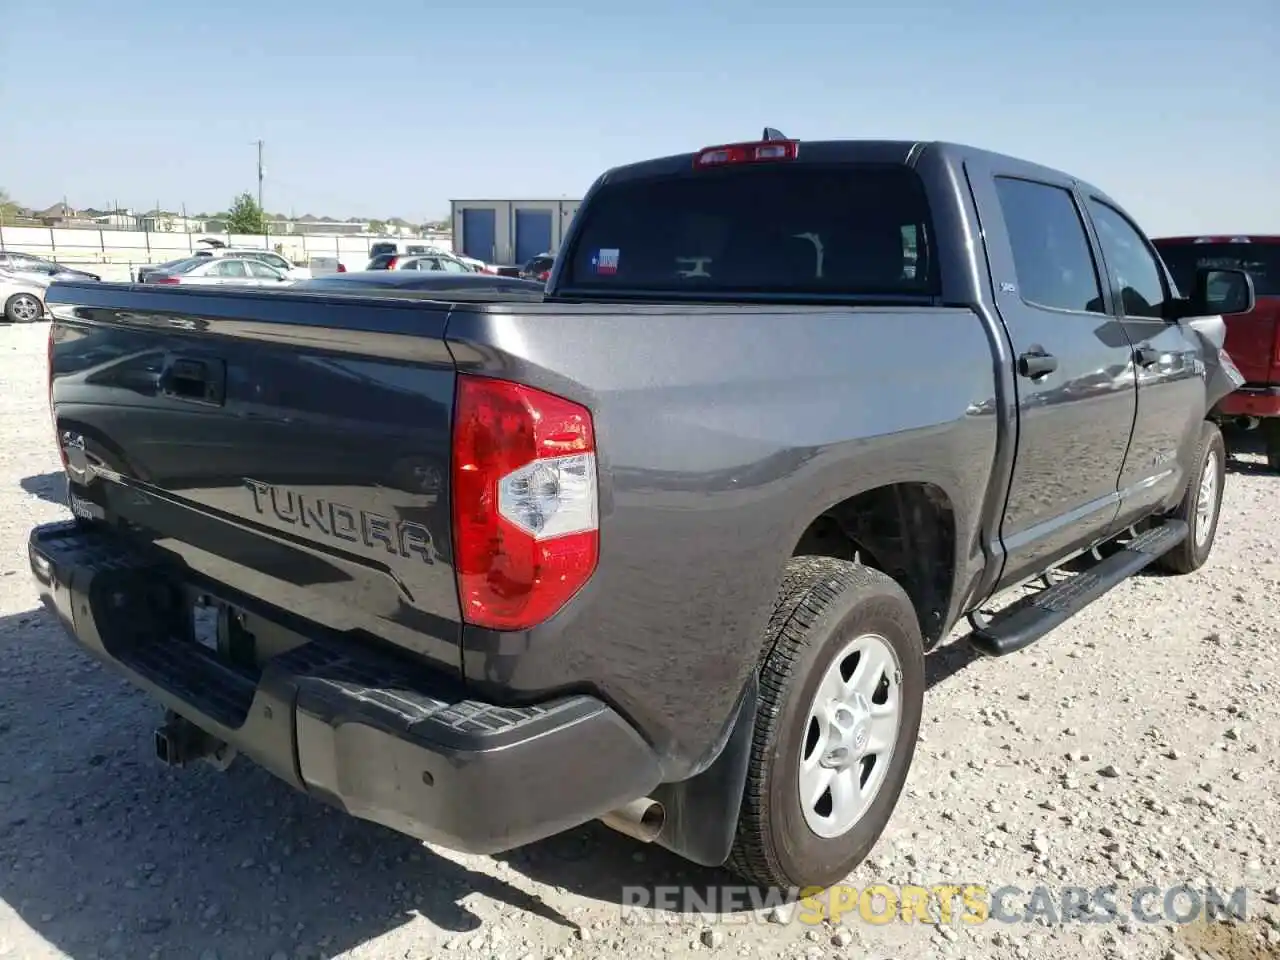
x=1246 y=443
x=50 y=487
x=106 y=853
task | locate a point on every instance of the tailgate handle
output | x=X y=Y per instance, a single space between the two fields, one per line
x=198 y=381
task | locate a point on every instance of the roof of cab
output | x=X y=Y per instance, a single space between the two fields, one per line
x=906 y=152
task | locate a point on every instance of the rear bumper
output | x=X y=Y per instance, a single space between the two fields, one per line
x=367 y=731
x=1250 y=402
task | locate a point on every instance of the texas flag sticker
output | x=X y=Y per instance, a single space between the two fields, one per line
x=605 y=262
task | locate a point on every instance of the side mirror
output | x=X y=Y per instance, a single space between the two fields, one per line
x=1218 y=292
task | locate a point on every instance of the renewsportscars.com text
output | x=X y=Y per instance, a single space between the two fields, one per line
x=967 y=904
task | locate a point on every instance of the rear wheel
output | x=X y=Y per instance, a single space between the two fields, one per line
x=1201 y=504
x=23 y=308
x=841 y=696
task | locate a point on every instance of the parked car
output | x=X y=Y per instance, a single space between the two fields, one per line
x=413 y=248
x=435 y=261
x=539 y=267
x=432 y=281
x=273 y=260
x=21 y=297
x=25 y=264
x=1253 y=338
x=148 y=269
x=666 y=547
x=214 y=271
x=323 y=266
x=216 y=249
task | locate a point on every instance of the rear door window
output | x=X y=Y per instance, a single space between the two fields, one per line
x=1051 y=254
x=228 y=268
x=788 y=229
x=1260 y=260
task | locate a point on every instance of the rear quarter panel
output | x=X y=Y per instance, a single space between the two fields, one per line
x=722 y=434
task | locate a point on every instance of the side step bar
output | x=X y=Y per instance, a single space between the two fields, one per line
x=1018 y=628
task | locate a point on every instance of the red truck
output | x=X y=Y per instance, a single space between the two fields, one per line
x=1253 y=338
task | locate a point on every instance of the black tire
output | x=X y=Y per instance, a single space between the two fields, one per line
x=1192 y=554
x=1271 y=437
x=822 y=605
x=14 y=312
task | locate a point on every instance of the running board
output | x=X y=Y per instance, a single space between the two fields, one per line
x=1014 y=630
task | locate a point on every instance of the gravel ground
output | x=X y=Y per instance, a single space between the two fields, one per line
x=1134 y=747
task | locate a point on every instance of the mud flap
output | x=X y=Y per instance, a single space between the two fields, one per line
x=702 y=812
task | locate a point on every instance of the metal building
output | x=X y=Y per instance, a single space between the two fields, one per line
x=510 y=232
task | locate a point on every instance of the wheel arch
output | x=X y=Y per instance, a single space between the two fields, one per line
x=908 y=530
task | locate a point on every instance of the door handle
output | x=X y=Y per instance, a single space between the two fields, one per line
x=194 y=380
x=1146 y=356
x=1036 y=364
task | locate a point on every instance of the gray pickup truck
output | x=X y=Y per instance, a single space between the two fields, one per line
x=665 y=548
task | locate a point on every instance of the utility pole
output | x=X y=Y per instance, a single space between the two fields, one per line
x=261 y=209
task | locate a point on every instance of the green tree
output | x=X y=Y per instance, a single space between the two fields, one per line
x=8 y=209
x=377 y=226
x=246 y=216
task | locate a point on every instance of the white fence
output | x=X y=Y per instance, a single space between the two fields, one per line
x=119 y=251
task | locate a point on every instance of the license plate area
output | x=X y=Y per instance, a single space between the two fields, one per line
x=219 y=628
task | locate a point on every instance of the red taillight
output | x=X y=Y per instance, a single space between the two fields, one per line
x=391 y=264
x=163 y=279
x=342 y=268
x=766 y=151
x=525 y=525
x=544 y=276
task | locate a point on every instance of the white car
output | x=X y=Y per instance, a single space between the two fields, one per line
x=227 y=270
x=21 y=297
x=269 y=257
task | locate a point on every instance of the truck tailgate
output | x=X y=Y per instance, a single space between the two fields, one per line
x=301 y=459
x=1252 y=344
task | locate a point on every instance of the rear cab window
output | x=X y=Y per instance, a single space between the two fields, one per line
x=850 y=229
x=1260 y=260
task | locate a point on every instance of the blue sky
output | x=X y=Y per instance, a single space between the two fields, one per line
x=379 y=110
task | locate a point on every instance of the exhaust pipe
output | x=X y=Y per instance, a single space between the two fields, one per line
x=641 y=819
